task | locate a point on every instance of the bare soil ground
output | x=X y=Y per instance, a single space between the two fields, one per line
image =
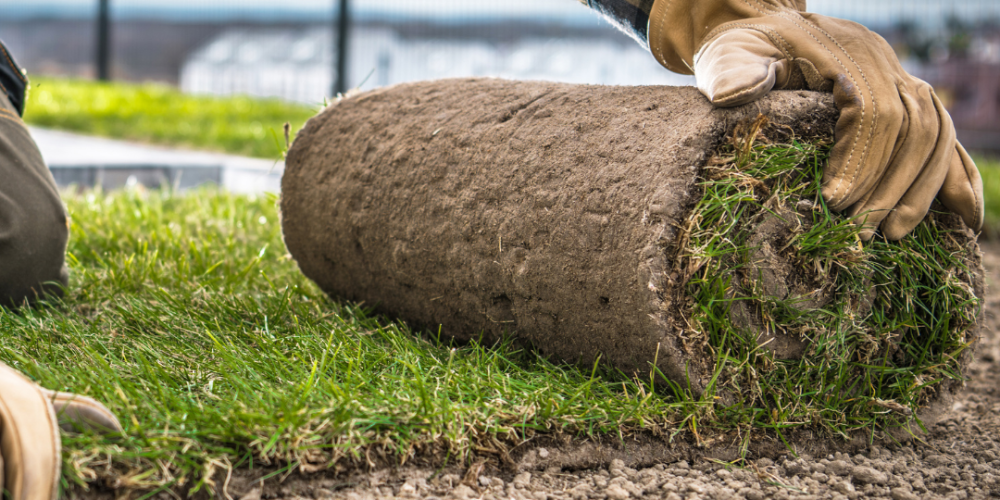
x=959 y=458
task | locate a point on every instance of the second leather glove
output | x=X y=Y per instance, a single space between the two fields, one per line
x=30 y=460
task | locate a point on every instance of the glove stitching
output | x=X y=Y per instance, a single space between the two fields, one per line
x=662 y=22
x=775 y=37
x=765 y=7
x=774 y=7
x=871 y=133
x=875 y=115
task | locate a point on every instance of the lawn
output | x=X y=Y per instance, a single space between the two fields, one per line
x=159 y=114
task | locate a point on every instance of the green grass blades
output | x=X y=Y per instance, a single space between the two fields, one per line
x=884 y=322
x=989 y=169
x=160 y=114
x=188 y=318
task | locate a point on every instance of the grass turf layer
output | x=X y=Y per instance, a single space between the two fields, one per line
x=885 y=322
x=188 y=318
x=159 y=114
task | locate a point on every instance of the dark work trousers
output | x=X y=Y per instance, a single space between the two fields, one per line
x=33 y=222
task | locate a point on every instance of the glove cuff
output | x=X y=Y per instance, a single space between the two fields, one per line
x=677 y=28
x=29 y=439
x=630 y=16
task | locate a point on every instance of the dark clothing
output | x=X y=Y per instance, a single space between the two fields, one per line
x=13 y=83
x=33 y=223
x=630 y=16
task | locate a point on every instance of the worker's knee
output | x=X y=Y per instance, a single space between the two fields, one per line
x=32 y=252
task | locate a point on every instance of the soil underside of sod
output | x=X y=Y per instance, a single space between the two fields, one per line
x=586 y=220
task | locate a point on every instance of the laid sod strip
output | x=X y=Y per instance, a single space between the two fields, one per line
x=159 y=114
x=187 y=317
x=883 y=323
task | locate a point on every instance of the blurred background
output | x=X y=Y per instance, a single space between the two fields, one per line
x=224 y=75
x=290 y=49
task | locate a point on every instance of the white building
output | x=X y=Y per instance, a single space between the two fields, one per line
x=286 y=64
x=297 y=65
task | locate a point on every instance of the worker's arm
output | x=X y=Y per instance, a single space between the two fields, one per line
x=895 y=145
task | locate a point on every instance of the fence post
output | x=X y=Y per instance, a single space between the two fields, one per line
x=103 y=54
x=343 y=27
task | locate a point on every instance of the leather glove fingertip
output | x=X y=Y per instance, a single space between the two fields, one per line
x=901 y=222
x=76 y=413
x=29 y=439
x=962 y=192
x=738 y=67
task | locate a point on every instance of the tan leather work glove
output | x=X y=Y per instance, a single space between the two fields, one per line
x=30 y=460
x=895 y=143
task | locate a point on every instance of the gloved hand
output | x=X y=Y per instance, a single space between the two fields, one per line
x=895 y=143
x=30 y=461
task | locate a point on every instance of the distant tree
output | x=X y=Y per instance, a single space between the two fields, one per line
x=959 y=35
x=918 y=44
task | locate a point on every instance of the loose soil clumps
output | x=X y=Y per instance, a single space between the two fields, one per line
x=578 y=219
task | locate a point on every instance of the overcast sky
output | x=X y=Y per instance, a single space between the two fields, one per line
x=865 y=11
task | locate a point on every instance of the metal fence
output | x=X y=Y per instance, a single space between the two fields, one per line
x=293 y=51
x=306 y=51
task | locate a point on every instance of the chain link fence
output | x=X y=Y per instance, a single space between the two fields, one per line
x=289 y=49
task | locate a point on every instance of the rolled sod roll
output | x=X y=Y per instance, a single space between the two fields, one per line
x=562 y=215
